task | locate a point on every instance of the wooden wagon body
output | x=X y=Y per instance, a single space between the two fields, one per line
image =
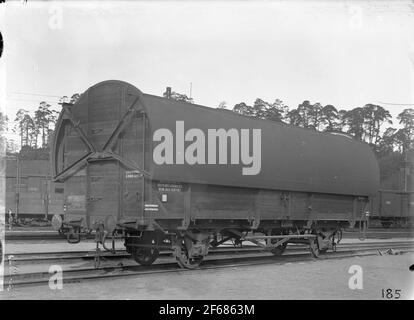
x=104 y=153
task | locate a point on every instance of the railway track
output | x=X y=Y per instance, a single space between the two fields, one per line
x=90 y=254
x=218 y=258
x=35 y=235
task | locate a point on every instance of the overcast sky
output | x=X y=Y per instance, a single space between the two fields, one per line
x=334 y=52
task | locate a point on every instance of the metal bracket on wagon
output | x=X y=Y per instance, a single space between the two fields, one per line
x=106 y=153
x=255 y=221
x=72 y=231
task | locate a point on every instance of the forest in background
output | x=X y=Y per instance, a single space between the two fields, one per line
x=370 y=123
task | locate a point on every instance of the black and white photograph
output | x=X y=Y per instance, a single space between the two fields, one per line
x=207 y=155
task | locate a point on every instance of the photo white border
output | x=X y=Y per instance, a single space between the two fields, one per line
x=2 y=156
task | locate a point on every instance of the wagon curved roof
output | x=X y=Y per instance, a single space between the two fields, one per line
x=292 y=158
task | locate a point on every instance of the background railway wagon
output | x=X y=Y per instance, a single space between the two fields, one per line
x=36 y=195
x=393 y=207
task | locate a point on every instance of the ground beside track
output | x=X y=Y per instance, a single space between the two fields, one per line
x=317 y=279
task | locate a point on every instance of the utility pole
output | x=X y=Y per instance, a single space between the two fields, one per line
x=191 y=88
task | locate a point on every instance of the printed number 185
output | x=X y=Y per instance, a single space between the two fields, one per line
x=391 y=294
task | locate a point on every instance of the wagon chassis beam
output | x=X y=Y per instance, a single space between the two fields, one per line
x=155 y=246
x=297 y=238
x=217 y=243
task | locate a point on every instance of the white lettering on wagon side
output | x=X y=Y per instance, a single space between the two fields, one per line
x=151 y=207
x=169 y=187
x=133 y=174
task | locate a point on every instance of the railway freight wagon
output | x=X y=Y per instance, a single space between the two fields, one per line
x=30 y=193
x=393 y=207
x=163 y=174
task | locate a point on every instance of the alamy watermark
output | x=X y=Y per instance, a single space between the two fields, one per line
x=204 y=147
x=56 y=279
x=355 y=281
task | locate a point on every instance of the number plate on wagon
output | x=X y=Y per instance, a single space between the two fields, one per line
x=287 y=224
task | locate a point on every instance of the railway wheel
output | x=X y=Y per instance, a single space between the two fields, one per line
x=322 y=244
x=189 y=263
x=323 y=251
x=145 y=256
x=186 y=262
x=386 y=224
x=62 y=233
x=183 y=257
x=314 y=247
x=279 y=250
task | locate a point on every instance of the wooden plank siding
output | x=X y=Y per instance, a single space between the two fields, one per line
x=218 y=202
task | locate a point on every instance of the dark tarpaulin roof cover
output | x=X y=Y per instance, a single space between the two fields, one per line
x=292 y=158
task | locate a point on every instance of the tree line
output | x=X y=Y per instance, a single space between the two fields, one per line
x=370 y=123
x=35 y=129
